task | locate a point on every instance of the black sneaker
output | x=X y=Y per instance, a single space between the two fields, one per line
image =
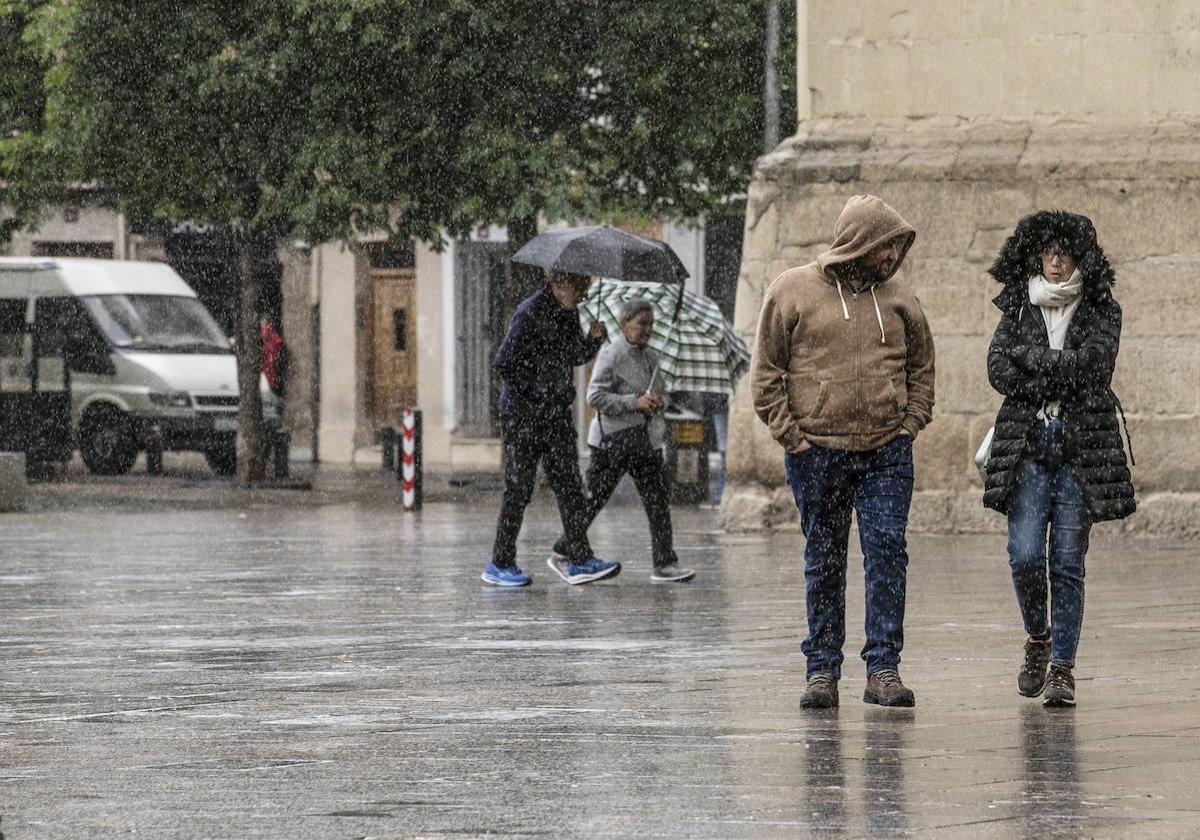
x=1032 y=677
x=820 y=693
x=1060 y=687
x=671 y=573
x=884 y=688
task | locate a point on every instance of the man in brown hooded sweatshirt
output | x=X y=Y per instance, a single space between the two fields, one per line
x=843 y=376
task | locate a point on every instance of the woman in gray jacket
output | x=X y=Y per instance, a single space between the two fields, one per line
x=627 y=436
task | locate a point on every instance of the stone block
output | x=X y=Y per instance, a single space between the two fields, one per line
x=1159 y=295
x=746 y=507
x=955 y=296
x=947 y=215
x=1159 y=375
x=1174 y=152
x=991 y=150
x=1167 y=515
x=929 y=511
x=753 y=279
x=942 y=454
x=922 y=153
x=806 y=221
x=962 y=383
x=741 y=452
x=14 y=489
x=779 y=511
x=1132 y=218
x=1168 y=458
x=985 y=246
x=761 y=236
x=1089 y=150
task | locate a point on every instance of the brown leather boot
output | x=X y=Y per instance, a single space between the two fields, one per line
x=885 y=689
x=821 y=692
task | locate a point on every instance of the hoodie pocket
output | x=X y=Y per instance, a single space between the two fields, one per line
x=806 y=397
x=884 y=403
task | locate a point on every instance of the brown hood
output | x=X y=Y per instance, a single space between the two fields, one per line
x=866 y=222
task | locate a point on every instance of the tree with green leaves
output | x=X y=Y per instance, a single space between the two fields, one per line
x=326 y=119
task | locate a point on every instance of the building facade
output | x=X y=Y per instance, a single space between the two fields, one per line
x=965 y=117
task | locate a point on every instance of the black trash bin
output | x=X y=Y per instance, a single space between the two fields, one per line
x=687 y=457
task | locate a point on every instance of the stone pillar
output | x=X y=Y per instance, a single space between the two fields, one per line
x=963 y=183
x=338 y=355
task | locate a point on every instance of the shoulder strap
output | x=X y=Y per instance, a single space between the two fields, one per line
x=1125 y=424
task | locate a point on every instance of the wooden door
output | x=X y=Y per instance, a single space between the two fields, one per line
x=394 y=334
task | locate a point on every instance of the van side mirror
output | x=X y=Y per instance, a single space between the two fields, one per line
x=86 y=355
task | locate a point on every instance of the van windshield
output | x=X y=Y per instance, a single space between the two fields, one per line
x=162 y=323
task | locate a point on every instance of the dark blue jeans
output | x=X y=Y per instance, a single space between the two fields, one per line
x=553 y=443
x=877 y=485
x=1045 y=496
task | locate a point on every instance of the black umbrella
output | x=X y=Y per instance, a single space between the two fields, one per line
x=603 y=251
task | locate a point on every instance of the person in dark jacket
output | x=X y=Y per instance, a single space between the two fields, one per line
x=535 y=363
x=1057 y=461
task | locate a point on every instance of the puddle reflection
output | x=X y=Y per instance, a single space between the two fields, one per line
x=824 y=775
x=1050 y=797
x=885 y=799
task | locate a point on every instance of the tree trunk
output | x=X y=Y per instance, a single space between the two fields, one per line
x=520 y=281
x=251 y=436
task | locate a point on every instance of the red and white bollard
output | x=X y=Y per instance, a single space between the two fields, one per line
x=410 y=459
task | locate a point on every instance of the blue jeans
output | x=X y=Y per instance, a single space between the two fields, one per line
x=877 y=485
x=720 y=422
x=1045 y=496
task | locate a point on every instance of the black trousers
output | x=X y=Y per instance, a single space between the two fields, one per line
x=552 y=443
x=645 y=466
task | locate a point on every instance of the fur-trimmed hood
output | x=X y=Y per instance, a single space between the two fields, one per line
x=1020 y=259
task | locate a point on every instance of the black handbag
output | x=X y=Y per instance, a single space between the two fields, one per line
x=624 y=442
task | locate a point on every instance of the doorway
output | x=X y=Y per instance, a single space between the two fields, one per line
x=393 y=345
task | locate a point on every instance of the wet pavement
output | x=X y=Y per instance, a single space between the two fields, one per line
x=182 y=659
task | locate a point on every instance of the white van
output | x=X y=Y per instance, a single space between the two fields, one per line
x=145 y=364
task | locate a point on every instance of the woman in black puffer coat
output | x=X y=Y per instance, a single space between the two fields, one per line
x=1057 y=462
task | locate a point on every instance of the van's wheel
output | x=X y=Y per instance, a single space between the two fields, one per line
x=222 y=459
x=107 y=442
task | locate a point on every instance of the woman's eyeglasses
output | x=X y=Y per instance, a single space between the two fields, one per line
x=1052 y=252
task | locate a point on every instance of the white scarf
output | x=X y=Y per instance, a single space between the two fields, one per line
x=1058 y=302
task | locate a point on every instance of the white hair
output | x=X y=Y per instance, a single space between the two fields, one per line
x=630 y=309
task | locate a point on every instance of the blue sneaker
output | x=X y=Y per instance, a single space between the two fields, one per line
x=586 y=572
x=512 y=576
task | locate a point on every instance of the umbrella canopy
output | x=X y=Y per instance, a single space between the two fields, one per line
x=698 y=352
x=603 y=251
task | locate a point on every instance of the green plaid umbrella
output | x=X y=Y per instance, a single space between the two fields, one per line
x=698 y=352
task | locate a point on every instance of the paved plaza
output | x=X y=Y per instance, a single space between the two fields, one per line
x=187 y=660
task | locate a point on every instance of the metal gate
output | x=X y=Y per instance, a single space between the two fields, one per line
x=479 y=325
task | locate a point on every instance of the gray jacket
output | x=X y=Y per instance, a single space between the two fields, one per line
x=622 y=373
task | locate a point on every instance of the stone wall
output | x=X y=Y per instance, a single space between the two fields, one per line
x=978 y=58
x=963 y=183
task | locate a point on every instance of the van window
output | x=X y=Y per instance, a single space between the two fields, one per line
x=12 y=326
x=156 y=323
x=57 y=318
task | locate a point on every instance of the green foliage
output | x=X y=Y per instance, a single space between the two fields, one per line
x=320 y=118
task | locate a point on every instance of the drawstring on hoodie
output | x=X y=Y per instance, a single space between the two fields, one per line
x=878 y=317
x=846 y=309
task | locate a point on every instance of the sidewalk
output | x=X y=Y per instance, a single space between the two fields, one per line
x=180 y=665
